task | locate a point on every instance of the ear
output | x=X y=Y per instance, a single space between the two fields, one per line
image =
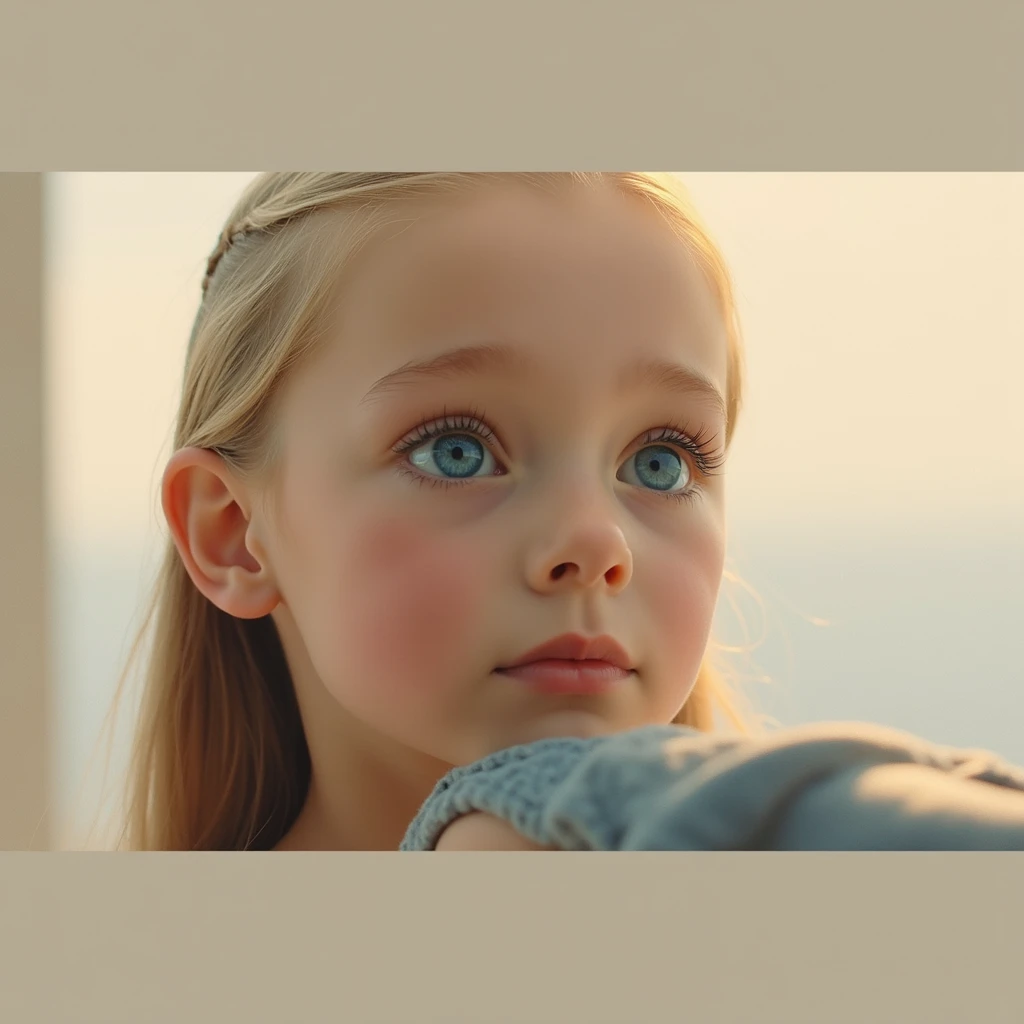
x=210 y=518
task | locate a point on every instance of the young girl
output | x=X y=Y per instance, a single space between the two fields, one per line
x=447 y=493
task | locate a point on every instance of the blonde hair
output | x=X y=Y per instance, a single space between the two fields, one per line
x=220 y=760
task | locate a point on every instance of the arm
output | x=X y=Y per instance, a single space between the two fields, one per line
x=903 y=807
x=479 y=831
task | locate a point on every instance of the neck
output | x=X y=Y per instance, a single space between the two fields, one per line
x=362 y=798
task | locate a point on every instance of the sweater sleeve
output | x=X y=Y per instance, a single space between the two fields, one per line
x=673 y=788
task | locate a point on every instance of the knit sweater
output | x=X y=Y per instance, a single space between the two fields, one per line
x=674 y=788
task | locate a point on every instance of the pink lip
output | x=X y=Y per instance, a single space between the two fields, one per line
x=574 y=647
x=561 y=675
x=572 y=663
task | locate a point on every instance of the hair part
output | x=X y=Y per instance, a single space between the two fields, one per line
x=220 y=760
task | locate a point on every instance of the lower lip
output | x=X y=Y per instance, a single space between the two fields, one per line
x=559 y=676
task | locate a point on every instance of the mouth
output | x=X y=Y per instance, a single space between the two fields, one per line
x=572 y=664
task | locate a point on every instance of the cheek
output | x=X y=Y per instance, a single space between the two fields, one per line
x=415 y=596
x=683 y=589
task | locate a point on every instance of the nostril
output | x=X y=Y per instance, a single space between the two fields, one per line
x=559 y=571
x=615 y=574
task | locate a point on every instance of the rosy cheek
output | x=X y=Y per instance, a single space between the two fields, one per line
x=684 y=591
x=415 y=595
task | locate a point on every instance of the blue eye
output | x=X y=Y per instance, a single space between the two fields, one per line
x=458 y=447
x=657 y=467
x=457 y=456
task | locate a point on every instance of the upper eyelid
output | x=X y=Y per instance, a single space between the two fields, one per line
x=427 y=429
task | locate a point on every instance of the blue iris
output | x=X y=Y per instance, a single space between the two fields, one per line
x=658 y=467
x=458 y=455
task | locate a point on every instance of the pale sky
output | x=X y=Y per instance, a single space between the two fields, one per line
x=882 y=317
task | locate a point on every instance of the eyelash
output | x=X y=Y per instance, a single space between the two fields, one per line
x=698 y=445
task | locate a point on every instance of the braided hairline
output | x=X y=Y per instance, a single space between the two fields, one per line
x=228 y=237
x=252 y=225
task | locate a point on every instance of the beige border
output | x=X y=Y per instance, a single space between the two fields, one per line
x=512 y=938
x=24 y=768
x=709 y=85
x=632 y=938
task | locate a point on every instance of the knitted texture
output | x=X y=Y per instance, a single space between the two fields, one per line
x=673 y=788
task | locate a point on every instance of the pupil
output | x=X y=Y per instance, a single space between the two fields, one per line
x=456 y=453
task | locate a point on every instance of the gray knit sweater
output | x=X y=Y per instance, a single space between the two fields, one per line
x=673 y=788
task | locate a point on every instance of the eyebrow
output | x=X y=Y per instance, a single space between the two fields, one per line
x=479 y=360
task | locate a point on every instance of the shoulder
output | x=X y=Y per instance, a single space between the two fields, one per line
x=479 y=831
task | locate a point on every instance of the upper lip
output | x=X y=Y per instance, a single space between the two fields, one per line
x=575 y=647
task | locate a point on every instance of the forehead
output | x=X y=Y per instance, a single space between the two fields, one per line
x=580 y=283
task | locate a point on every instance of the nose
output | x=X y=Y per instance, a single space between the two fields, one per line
x=588 y=550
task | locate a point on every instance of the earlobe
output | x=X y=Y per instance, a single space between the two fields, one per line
x=210 y=519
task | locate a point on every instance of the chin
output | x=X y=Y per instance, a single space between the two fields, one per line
x=567 y=723
x=574 y=723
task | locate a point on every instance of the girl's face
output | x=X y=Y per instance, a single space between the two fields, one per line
x=515 y=434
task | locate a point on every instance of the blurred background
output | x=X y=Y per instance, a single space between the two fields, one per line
x=876 y=485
